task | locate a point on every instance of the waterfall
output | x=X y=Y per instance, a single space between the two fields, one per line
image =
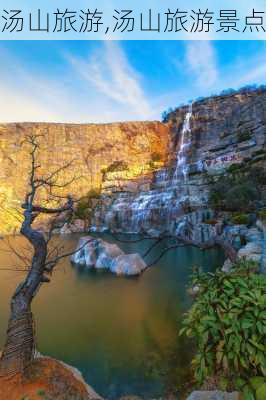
x=185 y=142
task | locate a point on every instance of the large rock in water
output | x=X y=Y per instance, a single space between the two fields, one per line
x=99 y=254
x=128 y=264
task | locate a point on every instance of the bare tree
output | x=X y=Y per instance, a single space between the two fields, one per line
x=20 y=346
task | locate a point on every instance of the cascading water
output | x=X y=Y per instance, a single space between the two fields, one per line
x=163 y=204
x=181 y=161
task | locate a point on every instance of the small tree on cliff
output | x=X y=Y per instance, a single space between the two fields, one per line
x=20 y=347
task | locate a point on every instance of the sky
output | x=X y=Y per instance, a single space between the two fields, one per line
x=109 y=81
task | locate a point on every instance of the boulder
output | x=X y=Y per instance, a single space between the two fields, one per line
x=85 y=254
x=107 y=252
x=227 y=266
x=128 y=264
x=213 y=395
x=154 y=233
x=99 y=254
x=253 y=235
x=252 y=251
x=77 y=226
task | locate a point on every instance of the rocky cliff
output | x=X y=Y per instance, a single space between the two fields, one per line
x=94 y=149
x=206 y=138
x=151 y=174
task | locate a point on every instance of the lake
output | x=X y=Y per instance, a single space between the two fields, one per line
x=121 y=333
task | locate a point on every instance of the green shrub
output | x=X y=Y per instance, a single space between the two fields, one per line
x=228 y=322
x=240 y=219
x=243 y=136
x=258 y=175
x=241 y=196
x=260 y=152
x=262 y=215
x=245 y=266
x=84 y=206
x=82 y=209
x=41 y=393
x=257 y=159
x=233 y=194
x=94 y=193
x=261 y=392
x=235 y=167
x=117 y=166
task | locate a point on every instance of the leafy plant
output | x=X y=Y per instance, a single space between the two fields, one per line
x=241 y=219
x=235 y=167
x=260 y=152
x=235 y=197
x=117 y=166
x=94 y=193
x=243 y=265
x=262 y=215
x=42 y=393
x=243 y=136
x=84 y=206
x=234 y=193
x=228 y=323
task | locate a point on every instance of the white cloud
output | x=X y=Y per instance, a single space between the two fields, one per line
x=26 y=95
x=252 y=71
x=207 y=76
x=201 y=63
x=104 y=88
x=110 y=73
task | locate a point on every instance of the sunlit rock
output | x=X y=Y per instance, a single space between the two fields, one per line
x=77 y=226
x=128 y=264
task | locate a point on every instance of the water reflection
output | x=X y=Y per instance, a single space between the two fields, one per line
x=120 y=332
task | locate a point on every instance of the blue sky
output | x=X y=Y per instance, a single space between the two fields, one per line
x=107 y=81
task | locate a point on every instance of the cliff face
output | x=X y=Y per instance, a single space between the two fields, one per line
x=94 y=148
x=150 y=173
x=206 y=138
x=222 y=125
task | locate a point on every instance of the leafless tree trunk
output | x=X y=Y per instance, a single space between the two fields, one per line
x=20 y=346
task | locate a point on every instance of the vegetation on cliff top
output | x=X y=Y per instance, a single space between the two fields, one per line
x=86 y=204
x=227 y=92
